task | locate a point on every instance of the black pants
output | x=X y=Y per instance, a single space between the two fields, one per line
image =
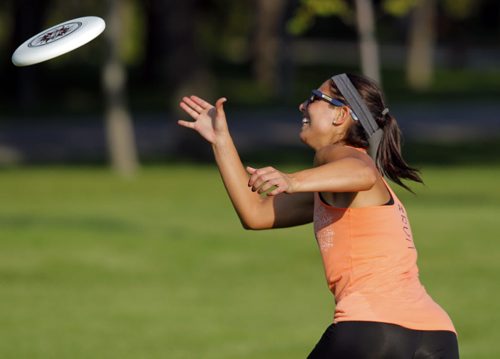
x=371 y=340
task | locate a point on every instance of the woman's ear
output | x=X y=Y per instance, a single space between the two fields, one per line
x=341 y=116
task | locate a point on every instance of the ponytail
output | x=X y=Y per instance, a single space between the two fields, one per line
x=389 y=158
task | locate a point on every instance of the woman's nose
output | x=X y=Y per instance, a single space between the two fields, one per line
x=302 y=107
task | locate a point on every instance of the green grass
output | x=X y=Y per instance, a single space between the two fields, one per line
x=158 y=267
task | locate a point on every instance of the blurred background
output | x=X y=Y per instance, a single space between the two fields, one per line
x=436 y=60
x=116 y=239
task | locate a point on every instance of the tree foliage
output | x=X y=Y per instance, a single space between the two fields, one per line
x=309 y=9
x=399 y=7
x=460 y=9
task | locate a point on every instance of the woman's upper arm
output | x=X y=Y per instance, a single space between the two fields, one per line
x=283 y=210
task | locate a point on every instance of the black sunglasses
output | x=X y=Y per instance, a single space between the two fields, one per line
x=318 y=95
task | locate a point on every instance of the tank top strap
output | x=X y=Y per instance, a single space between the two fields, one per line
x=391 y=192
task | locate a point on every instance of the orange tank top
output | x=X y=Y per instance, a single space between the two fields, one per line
x=370 y=264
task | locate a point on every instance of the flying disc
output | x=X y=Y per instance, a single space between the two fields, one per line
x=58 y=40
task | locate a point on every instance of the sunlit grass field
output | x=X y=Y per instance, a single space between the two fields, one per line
x=92 y=266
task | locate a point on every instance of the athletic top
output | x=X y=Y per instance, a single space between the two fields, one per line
x=370 y=264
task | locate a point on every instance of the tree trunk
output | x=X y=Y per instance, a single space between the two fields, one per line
x=365 y=21
x=270 y=48
x=119 y=129
x=420 y=61
x=177 y=64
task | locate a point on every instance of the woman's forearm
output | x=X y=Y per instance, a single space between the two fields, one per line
x=235 y=180
x=345 y=175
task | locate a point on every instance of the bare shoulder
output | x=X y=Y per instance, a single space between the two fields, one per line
x=338 y=152
x=364 y=184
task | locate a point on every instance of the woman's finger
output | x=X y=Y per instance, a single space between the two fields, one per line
x=189 y=110
x=187 y=124
x=274 y=187
x=251 y=170
x=265 y=183
x=266 y=186
x=201 y=102
x=258 y=173
x=193 y=104
x=219 y=105
x=257 y=180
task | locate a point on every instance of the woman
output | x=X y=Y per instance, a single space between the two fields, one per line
x=362 y=229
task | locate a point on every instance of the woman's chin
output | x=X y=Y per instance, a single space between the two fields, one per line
x=303 y=138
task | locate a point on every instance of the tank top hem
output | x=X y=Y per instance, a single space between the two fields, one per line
x=407 y=325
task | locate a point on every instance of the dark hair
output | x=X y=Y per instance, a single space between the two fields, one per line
x=389 y=159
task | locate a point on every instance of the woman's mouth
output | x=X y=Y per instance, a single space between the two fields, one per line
x=305 y=121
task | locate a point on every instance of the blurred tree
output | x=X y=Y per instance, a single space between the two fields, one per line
x=174 y=56
x=228 y=29
x=271 y=58
x=364 y=20
x=309 y=9
x=458 y=13
x=399 y=7
x=120 y=134
x=460 y=9
x=422 y=35
x=176 y=60
x=421 y=45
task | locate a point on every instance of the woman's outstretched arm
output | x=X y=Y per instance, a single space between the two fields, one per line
x=254 y=211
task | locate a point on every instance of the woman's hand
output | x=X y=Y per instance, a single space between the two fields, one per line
x=269 y=179
x=209 y=121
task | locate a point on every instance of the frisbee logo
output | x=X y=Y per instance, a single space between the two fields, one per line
x=55 y=34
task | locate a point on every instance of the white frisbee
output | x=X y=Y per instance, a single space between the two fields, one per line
x=58 y=40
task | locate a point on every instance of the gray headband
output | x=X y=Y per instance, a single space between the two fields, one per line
x=361 y=112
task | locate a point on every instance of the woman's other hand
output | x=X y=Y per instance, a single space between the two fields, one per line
x=270 y=181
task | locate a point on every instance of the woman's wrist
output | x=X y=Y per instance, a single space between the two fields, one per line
x=222 y=140
x=294 y=182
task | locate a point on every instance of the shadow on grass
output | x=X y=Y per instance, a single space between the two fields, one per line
x=103 y=225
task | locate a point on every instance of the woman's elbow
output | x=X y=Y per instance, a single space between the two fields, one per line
x=368 y=177
x=246 y=225
x=253 y=225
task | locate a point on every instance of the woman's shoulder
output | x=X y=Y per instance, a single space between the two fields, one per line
x=336 y=152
